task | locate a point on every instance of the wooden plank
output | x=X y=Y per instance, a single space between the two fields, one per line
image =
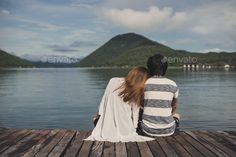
x=13 y=139
x=23 y=146
x=97 y=149
x=232 y=133
x=215 y=142
x=75 y=145
x=169 y=151
x=178 y=147
x=50 y=144
x=40 y=144
x=156 y=148
x=59 y=149
x=225 y=139
x=24 y=142
x=144 y=149
x=69 y=143
x=197 y=145
x=120 y=149
x=228 y=136
x=2 y=129
x=88 y=133
x=193 y=151
x=6 y=134
x=85 y=149
x=208 y=145
x=108 y=149
x=132 y=149
x=11 y=136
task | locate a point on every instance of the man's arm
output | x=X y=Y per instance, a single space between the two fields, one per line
x=174 y=100
x=174 y=105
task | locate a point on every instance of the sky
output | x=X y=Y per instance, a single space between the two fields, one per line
x=75 y=28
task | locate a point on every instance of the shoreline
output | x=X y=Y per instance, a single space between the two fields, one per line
x=110 y=67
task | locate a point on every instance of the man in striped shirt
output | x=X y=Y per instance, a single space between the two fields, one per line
x=160 y=97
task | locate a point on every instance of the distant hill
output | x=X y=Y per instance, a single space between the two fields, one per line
x=133 y=50
x=47 y=61
x=8 y=60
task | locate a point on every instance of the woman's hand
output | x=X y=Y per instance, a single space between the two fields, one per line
x=95 y=119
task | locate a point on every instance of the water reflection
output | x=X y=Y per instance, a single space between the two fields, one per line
x=67 y=98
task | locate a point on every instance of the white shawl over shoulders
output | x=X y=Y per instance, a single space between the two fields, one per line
x=118 y=120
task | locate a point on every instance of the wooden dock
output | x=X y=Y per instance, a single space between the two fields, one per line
x=69 y=143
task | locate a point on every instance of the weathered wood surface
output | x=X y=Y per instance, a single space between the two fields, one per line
x=69 y=143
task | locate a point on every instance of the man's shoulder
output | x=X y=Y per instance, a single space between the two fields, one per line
x=171 y=81
x=164 y=80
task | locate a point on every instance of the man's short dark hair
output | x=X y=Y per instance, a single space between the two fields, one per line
x=157 y=65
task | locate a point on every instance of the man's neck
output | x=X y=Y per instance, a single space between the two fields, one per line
x=157 y=76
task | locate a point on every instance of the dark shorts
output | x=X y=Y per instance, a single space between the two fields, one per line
x=140 y=131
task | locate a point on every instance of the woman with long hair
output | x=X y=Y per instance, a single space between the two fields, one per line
x=119 y=108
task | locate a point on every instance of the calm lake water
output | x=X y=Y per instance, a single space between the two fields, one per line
x=67 y=98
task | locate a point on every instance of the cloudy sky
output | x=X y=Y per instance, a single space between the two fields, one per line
x=78 y=27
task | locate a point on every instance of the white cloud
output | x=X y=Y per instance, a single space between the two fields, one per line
x=153 y=18
x=213 y=25
x=4 y=12
x=44 y=26
x=61 y=48
x=78 y=34
x=212 y=50
x=81 y=5
x=48 y=27
x=133 y=4
x=16 y=33
x=58 y=10
x=41 y=25
x=186 y=25
x=20 y=41
x=200 y=29
x=85 y=35
x=183 y=41
x=214 y=19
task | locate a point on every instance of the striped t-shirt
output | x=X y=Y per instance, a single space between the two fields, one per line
x=157 y=119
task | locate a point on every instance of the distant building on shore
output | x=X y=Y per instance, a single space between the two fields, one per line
x=204 y=66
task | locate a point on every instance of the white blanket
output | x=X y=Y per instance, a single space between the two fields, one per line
x=118 y=120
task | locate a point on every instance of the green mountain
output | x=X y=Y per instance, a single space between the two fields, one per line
x=8 y=60
x=133 y=50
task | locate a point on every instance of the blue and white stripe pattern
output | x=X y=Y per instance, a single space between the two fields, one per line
x=157 y=119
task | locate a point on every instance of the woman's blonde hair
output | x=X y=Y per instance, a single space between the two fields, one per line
x=132 y=90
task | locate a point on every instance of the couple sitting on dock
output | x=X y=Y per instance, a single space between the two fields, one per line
x=139 y=107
